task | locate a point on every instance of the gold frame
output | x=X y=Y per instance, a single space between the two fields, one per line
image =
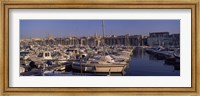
x=6 y=5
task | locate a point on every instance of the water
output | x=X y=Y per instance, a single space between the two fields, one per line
x=144 y=64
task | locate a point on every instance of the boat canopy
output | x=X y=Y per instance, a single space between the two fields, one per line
x=107 y=58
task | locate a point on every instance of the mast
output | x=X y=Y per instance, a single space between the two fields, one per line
x=74 y=40
x=103 y=37
x=70 y=43
x=60 y=38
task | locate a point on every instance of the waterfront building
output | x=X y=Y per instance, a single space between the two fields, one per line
x=126 y=40
x=175 y=40
x=163 y=39
x=158 y=38
x=154 y=39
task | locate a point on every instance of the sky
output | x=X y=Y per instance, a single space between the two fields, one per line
x=65 y=28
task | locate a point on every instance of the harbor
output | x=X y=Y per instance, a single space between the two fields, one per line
x=156 y=54
x=116 y=61
x=94 y=60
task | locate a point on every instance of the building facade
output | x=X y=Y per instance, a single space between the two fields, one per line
x=163 y=39
x=126 y=40
x=154 y=39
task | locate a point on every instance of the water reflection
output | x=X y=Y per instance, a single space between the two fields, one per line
x=144 y=64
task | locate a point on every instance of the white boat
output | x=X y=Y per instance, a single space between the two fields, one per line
x=95 y=67
x=103 y=64
x=154 y=50
x=41 y=58
x=61 y=59
x=46 y=55
x=22 y=69
x=177 y=55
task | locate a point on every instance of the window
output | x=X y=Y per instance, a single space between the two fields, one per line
x=46 y=54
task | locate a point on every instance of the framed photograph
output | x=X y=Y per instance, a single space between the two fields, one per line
x=99 y=47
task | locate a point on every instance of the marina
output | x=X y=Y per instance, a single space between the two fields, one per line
x=101 y=55
x=94 y=61
x=135 y=61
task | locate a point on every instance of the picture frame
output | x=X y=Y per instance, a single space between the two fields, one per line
x=6 y=5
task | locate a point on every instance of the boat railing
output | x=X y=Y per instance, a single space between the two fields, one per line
x=105 y=65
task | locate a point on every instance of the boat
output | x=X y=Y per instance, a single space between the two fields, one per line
x=102 y=62
x=96 y=67
x=42 y=58
x=108 y=64
x=46 y=55
x=175 y=60
x=24 y=55
x=164 y=54
x=177 y=55
x=154 y=50
x=161 y=52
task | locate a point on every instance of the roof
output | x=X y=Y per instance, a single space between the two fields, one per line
x=159 y=33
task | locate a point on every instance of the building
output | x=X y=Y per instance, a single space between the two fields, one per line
x=175 y=40
x=163 y=39
x=158 y=38
x=154 y=39
x=126 y=40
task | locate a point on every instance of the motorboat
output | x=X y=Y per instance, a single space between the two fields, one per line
x=100 y=64
x=46 y=55
x=24 y=55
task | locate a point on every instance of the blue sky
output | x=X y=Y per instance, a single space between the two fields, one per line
x=63 y=28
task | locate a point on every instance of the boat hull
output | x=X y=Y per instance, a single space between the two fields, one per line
x=99 y=67
x=109 y=69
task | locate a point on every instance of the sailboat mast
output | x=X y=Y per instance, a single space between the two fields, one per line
x=103 y=28
x=103 y=37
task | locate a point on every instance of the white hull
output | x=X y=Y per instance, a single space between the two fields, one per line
x=99 y=67
x=109 y=69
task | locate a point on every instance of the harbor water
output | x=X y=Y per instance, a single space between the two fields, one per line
x=144 y=64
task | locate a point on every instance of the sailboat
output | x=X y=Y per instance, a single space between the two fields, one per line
x=104 y=63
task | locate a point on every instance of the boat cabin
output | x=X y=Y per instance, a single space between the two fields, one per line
x=24 y=55
x=45 y=55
